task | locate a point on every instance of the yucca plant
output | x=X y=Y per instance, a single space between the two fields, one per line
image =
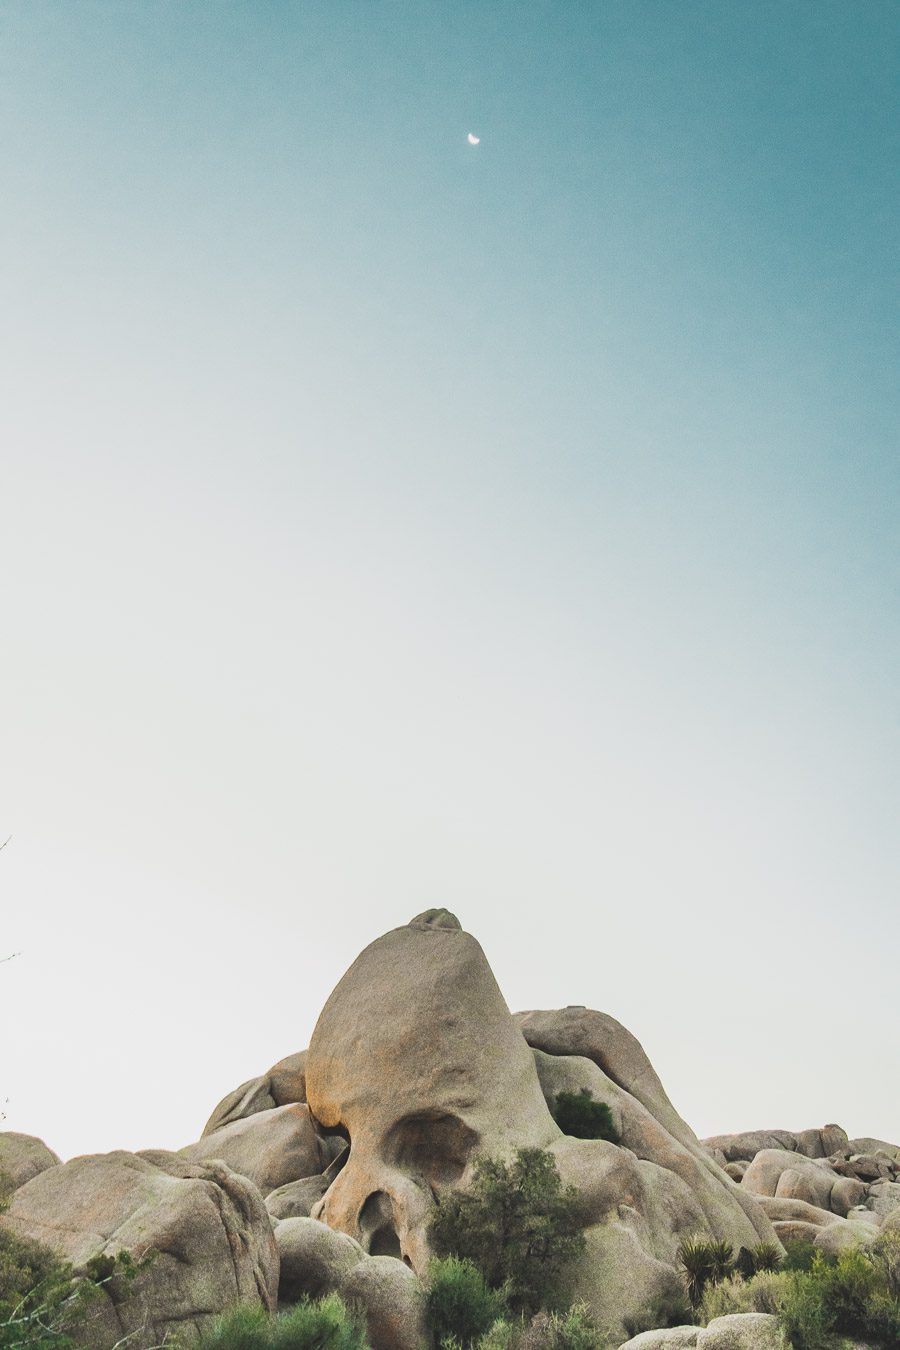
x=704 y=1261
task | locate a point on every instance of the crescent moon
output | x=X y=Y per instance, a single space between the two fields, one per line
x=472 y=139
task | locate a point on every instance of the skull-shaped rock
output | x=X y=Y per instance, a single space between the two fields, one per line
x=417 y=1060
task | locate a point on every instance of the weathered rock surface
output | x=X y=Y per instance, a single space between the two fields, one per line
x=816 y=1143
x=418 y=1061
x=23 y=1156
x=676 y=1172
x=742 y=1331
x=282 y=1085
x=314 y=1258
x=777 y=1172
x=271 y=1147
x=391 y=1297
x=207 y=1228
x=416 y=1058
x=298 y=1199
x=666 y=1338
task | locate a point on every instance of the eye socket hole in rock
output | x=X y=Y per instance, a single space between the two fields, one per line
x=433 y=1145
x=376 y=1220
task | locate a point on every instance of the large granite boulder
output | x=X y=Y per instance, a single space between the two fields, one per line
x=316 y=1260
x=282 y=1085
x=664 y=1338
x=22 y=1156
x=417 y=1061
x=205 y=1229
x=777 y=1172
x=742 y=1331
x=271 y=1147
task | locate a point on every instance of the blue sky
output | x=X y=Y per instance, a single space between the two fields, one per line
x=388 y=521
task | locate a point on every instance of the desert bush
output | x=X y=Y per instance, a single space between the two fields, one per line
x=459 y=1305
x=326 y=1324
x=731 y=1295
x=767 y=1291
x=577 y=1113
x=572 y=1330
x=799 y=1254
x=661 y=1311
x=849 y=1297
x=804 y=1319
x=704 y=1261
x=517 y=1225
x=885 y=1256
x=36 y=1295
x=42 y=1302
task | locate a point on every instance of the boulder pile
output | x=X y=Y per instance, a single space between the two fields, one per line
x=818 y=1185
x=322 y=1174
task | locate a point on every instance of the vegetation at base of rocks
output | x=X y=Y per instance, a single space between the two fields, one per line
x=42 y=1301
x=799 y=1254
x=578 y=1114
x=704 y=1261
x=325 y=1324
x=571 y=1330
x=658 y=1314
x=464 y=1313
x=855 y=1295
x=517 y=1225
x=761 y=1293
x=459 y=1305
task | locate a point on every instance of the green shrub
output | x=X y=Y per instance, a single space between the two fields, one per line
x=661 y=1311
x=326 y=1324
x=38 y=1300
x=804 y=1319
x=517 y=1225
x=731 y=1295
x=577 y=1113
x=704 y=1261
x=767 y=1291
x=847 y=1297
x=885 y=1256
x=799 y=1254
x=459 y=1305
x=572 y=1330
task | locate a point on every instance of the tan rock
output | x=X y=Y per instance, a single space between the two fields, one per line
x=22 y=1156
x=207 y=1226
x=883 y=1197
x=778 y=1172
x=846 y=1193
x=742 y=1331
x=417 y=1060
x=844 y=1234
x=782 y=1207
x=272 y=1147
x=391 y=1298
x=314 y=1258
x=297 y=1199
x=866 y=1146
x=415 y=1056
x=664 y=1338
x=283 y=1085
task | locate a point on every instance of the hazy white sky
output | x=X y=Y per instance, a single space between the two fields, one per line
x=388 y=522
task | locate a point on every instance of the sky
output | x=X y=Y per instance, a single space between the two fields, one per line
x=389 y=522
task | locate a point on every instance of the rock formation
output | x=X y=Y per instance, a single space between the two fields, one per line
x=819 y=1185
x=322 y=1174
